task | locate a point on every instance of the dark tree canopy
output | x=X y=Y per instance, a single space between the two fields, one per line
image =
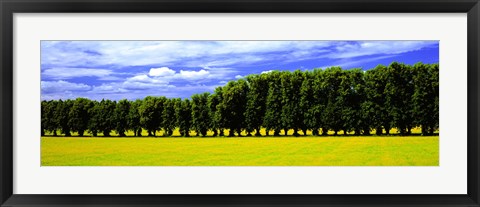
x=183 y=113
x=200 y=113
x=121 y=113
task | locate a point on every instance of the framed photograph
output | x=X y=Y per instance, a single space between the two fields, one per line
x=239 y=103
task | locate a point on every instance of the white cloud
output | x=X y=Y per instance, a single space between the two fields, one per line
x=220 y=54
x=108 y=88
x=238 y=76
x=144 y=81
x=163 y=71
x=68 y=73
x=193 y=75
x=356 y=49
x=267 y=71
x=62 y=86
x=159 y=79
x=138 y=53
x=347 y=62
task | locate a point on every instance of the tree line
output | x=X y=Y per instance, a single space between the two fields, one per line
x=396 y=96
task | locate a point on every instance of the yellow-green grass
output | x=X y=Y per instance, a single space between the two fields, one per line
x=251 y=151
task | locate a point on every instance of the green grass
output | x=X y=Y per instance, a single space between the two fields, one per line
x=281 y=151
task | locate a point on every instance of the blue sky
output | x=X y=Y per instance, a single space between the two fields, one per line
x=135 y=69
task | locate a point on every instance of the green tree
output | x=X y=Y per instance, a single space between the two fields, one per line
x=399 y=91
x=375 y=107
x=49 y=121
x=95 y=118
x=311 y=101
x=319 y=103
x=220 y=113
x=332 y=115
x=256 y=102
x=292 y=115
x=235 y=100
x=168 y=116
x=62 y=116
x=43 y=124
x=350 y=100
x=273 y=106
x=213 y=102
x=200 y=113
x=183 y=112
x=121 y=113
x=425 y=97
x=435 y=74
x=134 y=118
x=105 y=121
x=151 y=114
x=79 y=115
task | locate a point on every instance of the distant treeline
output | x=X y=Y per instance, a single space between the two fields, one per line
x=396 y=96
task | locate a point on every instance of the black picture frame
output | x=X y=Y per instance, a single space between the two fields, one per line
x=9 y=7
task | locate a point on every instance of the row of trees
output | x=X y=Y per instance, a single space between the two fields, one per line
x=396 y=96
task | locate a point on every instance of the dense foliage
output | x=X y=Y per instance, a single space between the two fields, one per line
x=355 y=101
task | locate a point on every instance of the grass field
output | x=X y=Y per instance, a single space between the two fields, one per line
x=281 y=151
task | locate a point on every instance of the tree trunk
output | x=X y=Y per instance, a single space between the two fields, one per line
x=42 y=133
x=336 y=133
x=68 y=134
x=80 y=133
x=257 y=132
x=106 y=133
x=295 y=132
x=139 y=132
x=55 y=133
x=215 y=132
x=357 y=132
x=286 y=132
x=379 y=131
x=276 y=132
x=366 y=131
x=231 y=132
x=424 y=130
x=222 y=132
x=324 y=131
x=304 y=131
